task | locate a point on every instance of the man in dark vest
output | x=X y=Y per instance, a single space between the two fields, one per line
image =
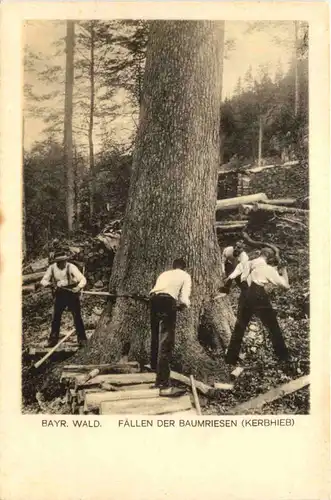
x=171 y=291
x=67 y=281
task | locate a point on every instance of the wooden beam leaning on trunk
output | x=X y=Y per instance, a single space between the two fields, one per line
x=272 y=395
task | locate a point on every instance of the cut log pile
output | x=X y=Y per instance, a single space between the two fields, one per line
x=121 y=388
x=247 y=208
x=94 y=256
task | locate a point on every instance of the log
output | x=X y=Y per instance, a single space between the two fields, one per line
x=272 y=395
x=32 y=278
x=28 y=289
x=229 y=222
x=156 y=406
x=39 y=265
x=231 y=203
x=227 y=228
x=53 y=349
x=104 y=368
x=195 y=395
x=281 y=201
x=94 y=400
x=203 y=388
x=118 y=379
x=266 y=207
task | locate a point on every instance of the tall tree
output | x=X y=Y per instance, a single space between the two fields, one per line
x=68 y=115
x=296 y=73
x=171 y=207
x=91 y=117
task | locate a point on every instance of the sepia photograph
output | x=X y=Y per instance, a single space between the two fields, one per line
x=165 y=237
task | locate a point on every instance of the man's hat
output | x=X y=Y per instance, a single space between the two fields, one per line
x=60 y=256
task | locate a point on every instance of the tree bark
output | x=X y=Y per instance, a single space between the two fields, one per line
x=172 y=198
x=222 y=134
x=91 y=121
x=68 y=112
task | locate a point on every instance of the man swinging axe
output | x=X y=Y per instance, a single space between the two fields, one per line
x=68 y=281
x=171 y=292
x=254 y=300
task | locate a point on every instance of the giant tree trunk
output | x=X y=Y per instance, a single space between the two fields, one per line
x=68 y=111
x=172 y=198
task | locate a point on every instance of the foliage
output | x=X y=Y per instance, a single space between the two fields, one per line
x=45 y=190
x=272 y=101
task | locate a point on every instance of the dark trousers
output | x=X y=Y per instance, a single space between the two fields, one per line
x=70 y=300
x=254 y=300
x=163 y=325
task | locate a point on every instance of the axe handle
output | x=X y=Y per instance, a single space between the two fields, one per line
x=42 y=360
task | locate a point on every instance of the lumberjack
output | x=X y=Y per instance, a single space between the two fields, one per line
x=254 y=300
x=68 y=281
x=171 y=287
x=231 y=257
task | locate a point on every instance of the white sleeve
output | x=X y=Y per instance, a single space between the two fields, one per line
x=243 y=257
x=275 y=278
x=185 y=292
x=47 y=277
x=237 y=272
x=77 y=275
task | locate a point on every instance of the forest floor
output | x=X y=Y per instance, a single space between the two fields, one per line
x=261 y=371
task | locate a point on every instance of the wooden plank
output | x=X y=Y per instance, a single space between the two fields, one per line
x=118 y=379
x=111 y=366
x=82 y=393
x=137 y=387
x=156 y=406
x=272 y=395
x=93 y=400
x=34 y=351
x=203 y=388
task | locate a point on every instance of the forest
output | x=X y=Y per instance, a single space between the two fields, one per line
x=134 y=128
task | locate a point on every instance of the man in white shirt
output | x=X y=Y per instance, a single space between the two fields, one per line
x=172 y=287
x=68 y=282
x=255 y=301
x=231 y=257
